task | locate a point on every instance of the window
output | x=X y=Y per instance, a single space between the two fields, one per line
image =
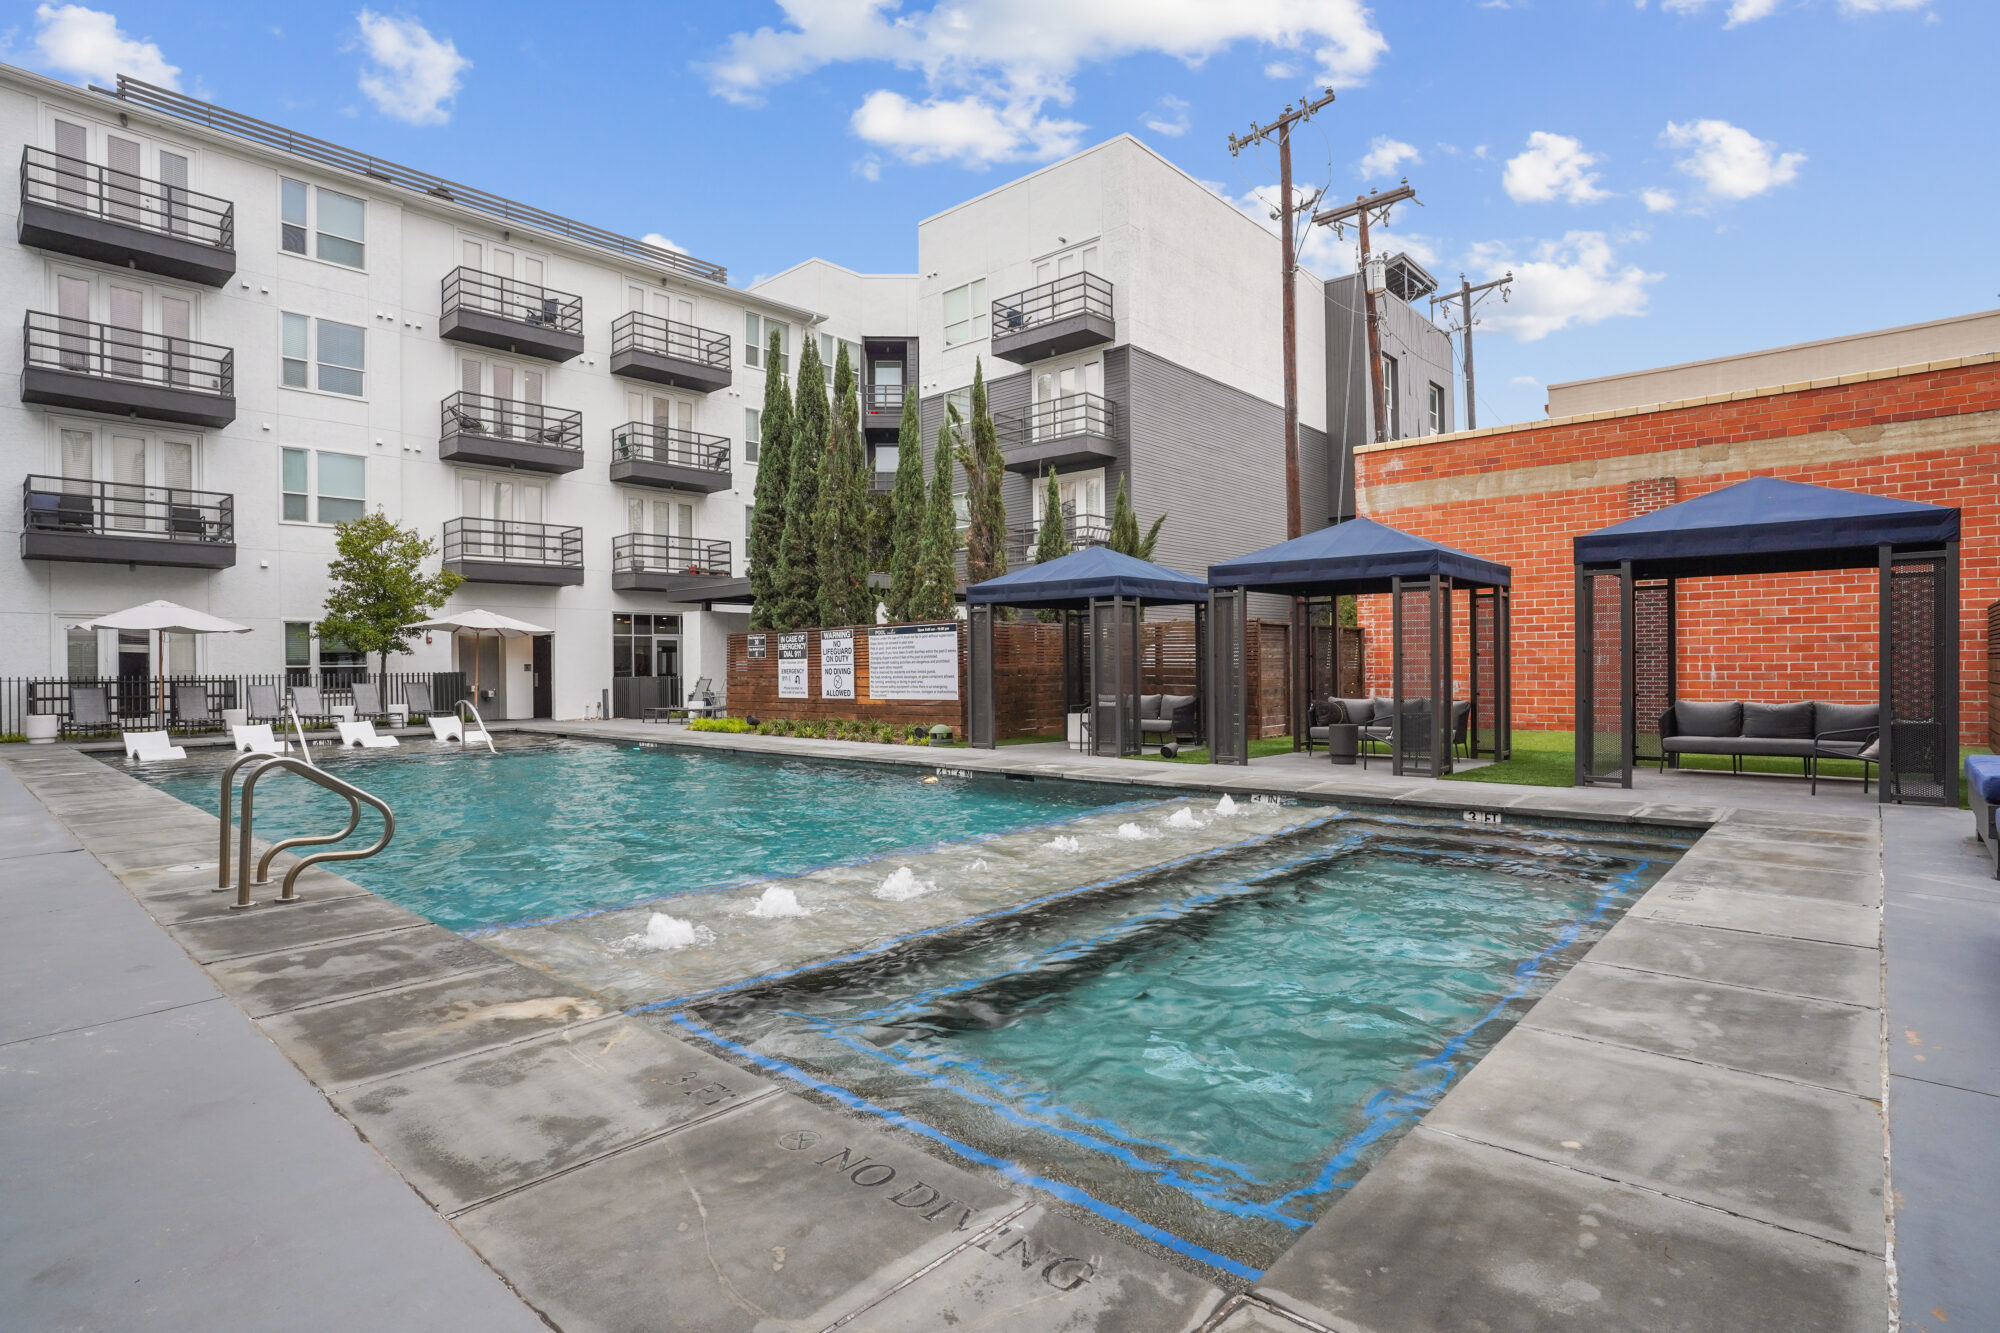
x=341 y=486
x=342 y=354
x=887 y=457
x=298 y=643
x=342 y=230
x=749 y=534
x=1436 y=409
x=965 y=312
x=757 y=331
x=829 y=353
x=645 y=645
x=753 y=433
x=1392 y=399
x=962 y=400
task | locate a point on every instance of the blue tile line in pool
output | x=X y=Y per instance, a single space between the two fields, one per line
x=997 y=914
x=1387 y=1109
x=1011 y=1170
x=744 y=881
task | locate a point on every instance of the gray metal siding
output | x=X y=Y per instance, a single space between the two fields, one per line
x=1003 y=394
x=1423 y=354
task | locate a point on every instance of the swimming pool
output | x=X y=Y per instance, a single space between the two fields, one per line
x=548 y=827
x=1213 y=1058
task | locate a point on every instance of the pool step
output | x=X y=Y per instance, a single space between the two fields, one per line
x=863 y=908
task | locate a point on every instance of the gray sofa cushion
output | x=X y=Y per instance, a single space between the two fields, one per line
x=1149 y=706
x=1844 y=717
x=1699 y=719
x=1155 y=726
x=1778 y=721
x=1173 y=703
x=1360 y=711
x=1782 y=747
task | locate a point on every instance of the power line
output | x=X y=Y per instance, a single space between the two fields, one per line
x=1466 y=294
x=1373 y=207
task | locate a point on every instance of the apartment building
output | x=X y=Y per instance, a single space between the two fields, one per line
x=233 y=336
x=1128 y=322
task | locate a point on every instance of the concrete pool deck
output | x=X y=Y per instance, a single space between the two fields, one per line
x=1707 y=1083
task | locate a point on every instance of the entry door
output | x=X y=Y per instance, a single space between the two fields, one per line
x=545 y=689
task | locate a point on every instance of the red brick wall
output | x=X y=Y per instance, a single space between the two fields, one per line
x=1780 y=637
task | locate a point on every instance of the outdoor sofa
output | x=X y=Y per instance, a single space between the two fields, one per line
x=1807 y=732
x=1982 y=782
x=1164 y=717
x=1376 y=718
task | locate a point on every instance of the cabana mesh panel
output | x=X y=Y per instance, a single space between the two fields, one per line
x=1652 y=663
x=1114 y=649
x=1416 y=647
x=1490 y=731
x=980 y=713
x=1921 y=756
x=1228 y=678
x=1600 y=752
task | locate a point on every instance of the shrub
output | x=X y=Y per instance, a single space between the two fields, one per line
x=733 y=725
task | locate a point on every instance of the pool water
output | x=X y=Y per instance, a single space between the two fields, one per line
x=550 y=827
x=1213 y=1059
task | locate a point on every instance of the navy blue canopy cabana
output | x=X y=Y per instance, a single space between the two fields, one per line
x=1102 y=595
x=1625 y=624
x=1362 y=558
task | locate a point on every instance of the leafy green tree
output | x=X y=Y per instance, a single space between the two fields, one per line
x=1125 y=536
x=937 y=580
x=906 y=513
x=379 y=586
x=841 y=543
x=1052 y=542
x=986 y=511
x=774 y=479
x=795 y=597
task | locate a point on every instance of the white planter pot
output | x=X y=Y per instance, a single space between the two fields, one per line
x=42 y=728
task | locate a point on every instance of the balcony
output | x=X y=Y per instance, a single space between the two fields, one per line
x=1077 y=430
x=881 y=483
x=1066 y=315
x=510 y=315
x=493 y=550
x=882 y=407
x=669 y=459
x=663 y=351
x=77 y=208
x=686 y=569
x=92 y=367
x=119 y=523
x=501 y=432
x=1081 y=530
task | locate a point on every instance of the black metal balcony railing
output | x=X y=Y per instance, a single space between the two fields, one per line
x=509 y=419
x=119 y=196
x=885 y=398
x=645 y=552
x=1060 y=418
x=639 y=442
x=106 y=351
x=1080 y=530
x=126 y=509
x=511 y=541
x=513 y=300
x=1075 y=294
x=636 y=331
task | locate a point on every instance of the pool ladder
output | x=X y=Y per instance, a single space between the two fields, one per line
x=465 y=737
x=305 y=768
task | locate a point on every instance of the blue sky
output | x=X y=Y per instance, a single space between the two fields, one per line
x=1669 y=179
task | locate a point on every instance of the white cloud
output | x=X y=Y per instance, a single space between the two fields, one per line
x=1281 y=69
x=655 y=239
x=1658 y=201
x=1524 y=379
x=89 y=45
x=1576 y=280
x=1553 y=166
x=1169 y=116
x=1739 y=12
x=990 y=68
x=869 y=168
x=1730 y=163
x=1881 y=6
x=412 y=73
x=1384 y=155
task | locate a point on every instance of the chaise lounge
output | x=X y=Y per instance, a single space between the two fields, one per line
x=1982 y=783
x=1807 y=732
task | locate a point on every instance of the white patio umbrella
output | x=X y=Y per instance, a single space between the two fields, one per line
x=481 y=623
x=163 y=618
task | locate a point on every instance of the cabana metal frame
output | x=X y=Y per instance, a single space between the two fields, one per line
x=1423 y=581
x=1102 y=595
x=1626 y=621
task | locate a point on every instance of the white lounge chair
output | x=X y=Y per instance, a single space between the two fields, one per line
x=453 y=729
x=256 y=738
x=363 y=734
x=149 y=746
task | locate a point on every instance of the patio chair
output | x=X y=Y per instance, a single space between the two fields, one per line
x=368 y=702
x=362 y=734
x=191 y=707
x=1461 y=728
x=306 y=702
x=255 y=738
x=417 y=695
x=701 y=699
x=89 y=708
x=150 y=746
x=264 y=705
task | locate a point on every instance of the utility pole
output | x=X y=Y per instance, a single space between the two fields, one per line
x=1466 y=291
x=1281 y=130
x=1359 y=212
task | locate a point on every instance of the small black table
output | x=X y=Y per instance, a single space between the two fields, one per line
x=1343 y=741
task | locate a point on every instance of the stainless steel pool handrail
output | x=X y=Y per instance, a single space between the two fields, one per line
x=354 y=795
x=292 y=712
x=484 y=734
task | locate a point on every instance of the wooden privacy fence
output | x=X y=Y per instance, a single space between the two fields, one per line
x=1028 y=676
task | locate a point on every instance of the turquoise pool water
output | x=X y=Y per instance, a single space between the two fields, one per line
x=547 y=828
x=1213 y=1059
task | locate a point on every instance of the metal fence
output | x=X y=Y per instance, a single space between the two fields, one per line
x=639 y=442
x=155 y=703
x=511 y=299
x=1070 y=295
x=77 y=186
x=636 y=331
x=112 y=352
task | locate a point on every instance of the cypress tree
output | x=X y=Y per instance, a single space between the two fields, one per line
x=1051 y=543
x=1124 y=524
x=797 y=594
x=936 y=579
x=842 y=540
x=774 y=477
x=986 y=533
x=906 y=513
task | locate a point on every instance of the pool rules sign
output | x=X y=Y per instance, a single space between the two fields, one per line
x=836 y=664
x=792 y=667
x=913 y=662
